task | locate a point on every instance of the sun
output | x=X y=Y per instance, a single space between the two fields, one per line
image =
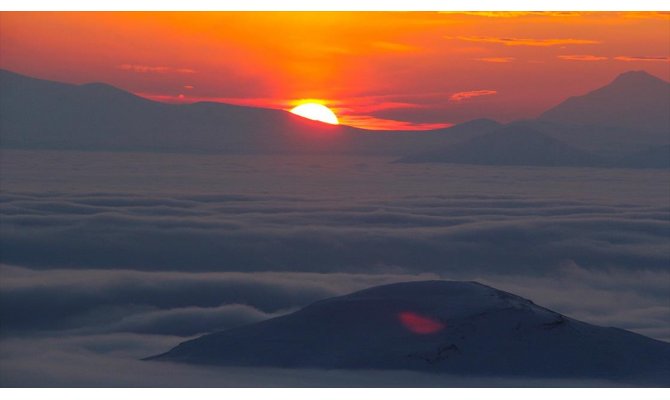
x=317 y=112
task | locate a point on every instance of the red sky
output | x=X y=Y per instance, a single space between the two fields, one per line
x=375 y=70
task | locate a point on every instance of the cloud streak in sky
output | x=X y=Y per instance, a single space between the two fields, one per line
x=582 y=57
x=463 y=96
x=516 y=14
x=154 y=69
x=643 y=58
x=499 y=60
x=511 y=41
x=394 y=47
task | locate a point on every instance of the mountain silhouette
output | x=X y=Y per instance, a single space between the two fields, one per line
x=36 y=113
x=455 y=327
x=635 y=100
x=616 y=125
x=515 y=144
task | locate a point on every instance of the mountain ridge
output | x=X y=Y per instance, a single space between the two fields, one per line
x=42 y=114
x=38 y=113
x=634 y=100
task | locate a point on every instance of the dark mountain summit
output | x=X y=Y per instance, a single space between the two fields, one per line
x=635 y=100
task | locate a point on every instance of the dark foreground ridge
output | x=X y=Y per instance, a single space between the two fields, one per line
x=463 y=328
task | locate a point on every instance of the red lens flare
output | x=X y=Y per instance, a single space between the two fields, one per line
x=418 y=324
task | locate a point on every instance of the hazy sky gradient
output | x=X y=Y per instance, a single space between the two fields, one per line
x=376 y=70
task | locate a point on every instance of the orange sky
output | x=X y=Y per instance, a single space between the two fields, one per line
x=376 y=70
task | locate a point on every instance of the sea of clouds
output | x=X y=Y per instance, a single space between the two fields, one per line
x=108 y=258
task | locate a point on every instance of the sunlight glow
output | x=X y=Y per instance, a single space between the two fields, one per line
x=419 y=324
x=317 y=112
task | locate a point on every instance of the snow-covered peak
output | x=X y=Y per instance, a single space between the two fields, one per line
x=440 y=299
x=439 y=326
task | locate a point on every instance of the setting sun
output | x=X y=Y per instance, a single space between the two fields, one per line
x=317 y=112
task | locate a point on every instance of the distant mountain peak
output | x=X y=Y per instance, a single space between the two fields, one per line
x=635 y=81
x=637 y=76
x=634 y=100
